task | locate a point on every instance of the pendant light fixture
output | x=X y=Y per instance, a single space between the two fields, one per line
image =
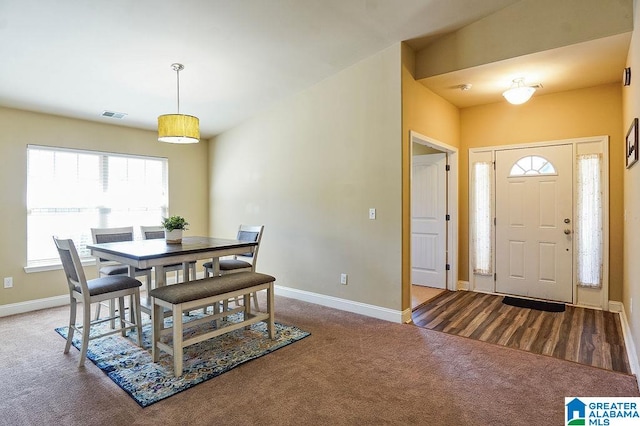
x=178 y=128
x=518 y=93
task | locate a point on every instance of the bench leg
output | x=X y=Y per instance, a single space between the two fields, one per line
x=216 y=309
x=157 y=318
x=255 y=301
x=225 y=306
x=135 y=310
x=121 y=310
x=177 y=340
x=247 y=309
x=271 y=308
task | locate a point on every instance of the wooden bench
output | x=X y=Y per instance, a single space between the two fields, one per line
x=197 y=294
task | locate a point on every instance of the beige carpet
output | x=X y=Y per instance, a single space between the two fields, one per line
x=352 y=370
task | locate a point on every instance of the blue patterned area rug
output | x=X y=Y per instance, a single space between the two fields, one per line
x=131 y=367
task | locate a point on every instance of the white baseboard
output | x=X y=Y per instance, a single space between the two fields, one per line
x=306 y=296
x=629 y=344
x=33 y=305
x=406 y=316
x=344 y=304
x=52 y=302
x=615 y=306
x=463 y=285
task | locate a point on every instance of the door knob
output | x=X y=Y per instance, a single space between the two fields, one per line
x=567 y=220
x=567 y=231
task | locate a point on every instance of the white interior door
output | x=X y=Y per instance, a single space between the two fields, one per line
x=428 y=223
x=534 y=214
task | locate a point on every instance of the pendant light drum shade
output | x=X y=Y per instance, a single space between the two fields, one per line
x=178 y=128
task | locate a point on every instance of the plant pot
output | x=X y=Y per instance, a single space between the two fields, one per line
x=173 y=237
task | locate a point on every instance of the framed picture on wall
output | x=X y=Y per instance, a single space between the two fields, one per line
x=631 y=144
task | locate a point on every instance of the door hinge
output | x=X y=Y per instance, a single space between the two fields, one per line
x=447 y=267
x=495 y=276
x=494 y=165
x=494 y=221
x=447 y=168
x=447 y=217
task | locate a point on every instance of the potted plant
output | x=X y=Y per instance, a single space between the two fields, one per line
x=173 y=227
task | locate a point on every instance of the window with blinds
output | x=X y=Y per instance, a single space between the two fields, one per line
x=71 y=191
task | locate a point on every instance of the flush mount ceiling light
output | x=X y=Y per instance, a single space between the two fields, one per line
x=518 y=93
x=178 y=128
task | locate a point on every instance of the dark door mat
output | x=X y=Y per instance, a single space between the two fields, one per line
x=534 y=304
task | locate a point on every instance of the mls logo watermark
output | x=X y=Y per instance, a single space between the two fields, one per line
x=601 y=411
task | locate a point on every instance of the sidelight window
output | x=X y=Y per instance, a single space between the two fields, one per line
x=589 y=240
x=482 y=217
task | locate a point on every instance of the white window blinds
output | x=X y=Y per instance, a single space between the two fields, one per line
x=71 y=191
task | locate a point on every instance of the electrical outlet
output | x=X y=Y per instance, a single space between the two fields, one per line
x=372 y=214
x=343 y=279
x=8 y=282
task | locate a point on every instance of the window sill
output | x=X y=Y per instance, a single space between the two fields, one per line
x=52 y=266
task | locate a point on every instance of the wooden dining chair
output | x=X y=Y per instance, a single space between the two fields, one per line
x=157 y=232
x=243 y=262
x=95 y=291
x=107 y=268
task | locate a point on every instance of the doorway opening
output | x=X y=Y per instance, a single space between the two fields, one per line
x=434 y=218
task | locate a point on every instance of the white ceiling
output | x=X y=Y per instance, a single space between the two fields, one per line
x=78 y=58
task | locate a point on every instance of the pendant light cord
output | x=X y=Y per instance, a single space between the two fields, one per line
x=177 y=68
x=178 y=86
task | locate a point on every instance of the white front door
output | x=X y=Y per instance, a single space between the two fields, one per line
x=428 y=223
x=534 y=215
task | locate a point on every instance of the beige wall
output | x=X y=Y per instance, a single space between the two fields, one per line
x=525 y=27
x=631 y=280
x=187 y=186
x=428 y=114
x=309 y=169
x=419 y=149
x=579 y=113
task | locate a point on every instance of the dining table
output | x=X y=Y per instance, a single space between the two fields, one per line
x=157 y=253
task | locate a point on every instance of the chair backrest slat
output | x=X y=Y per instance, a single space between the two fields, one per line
x=152 y=232
x=250 y=233
x=113 y=238
x=110 y=235
x=72 y=266
x=247 y=236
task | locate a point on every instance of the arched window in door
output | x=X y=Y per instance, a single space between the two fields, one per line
x=532 y=165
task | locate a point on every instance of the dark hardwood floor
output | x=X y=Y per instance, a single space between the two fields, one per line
x=586 y=336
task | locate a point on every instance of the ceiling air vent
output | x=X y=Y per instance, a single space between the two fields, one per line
x=113 y=114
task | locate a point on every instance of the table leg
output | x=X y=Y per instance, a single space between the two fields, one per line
x=159 y=275
x=185 y=272
x=216 y=266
